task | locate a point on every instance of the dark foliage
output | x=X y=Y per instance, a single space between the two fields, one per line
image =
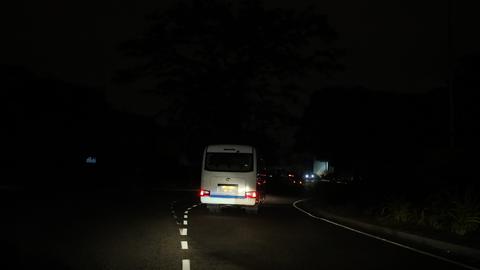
x=227 y=72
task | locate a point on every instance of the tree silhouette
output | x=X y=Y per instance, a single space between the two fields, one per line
x=466 y=98
x=230 y=69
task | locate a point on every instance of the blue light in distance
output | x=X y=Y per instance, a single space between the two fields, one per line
x=91 y=160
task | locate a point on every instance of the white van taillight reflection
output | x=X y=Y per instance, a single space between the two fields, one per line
x=251 y=194
x=204 y=193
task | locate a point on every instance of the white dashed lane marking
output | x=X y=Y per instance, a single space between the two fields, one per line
x=186 y=264
x=183 y=232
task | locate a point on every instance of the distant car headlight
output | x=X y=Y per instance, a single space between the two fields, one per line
x=312 y=176
x=307 y=176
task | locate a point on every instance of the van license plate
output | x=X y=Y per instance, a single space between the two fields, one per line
x=228 y=188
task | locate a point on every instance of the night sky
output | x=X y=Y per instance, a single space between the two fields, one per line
x=390 y=47
x=400 y=47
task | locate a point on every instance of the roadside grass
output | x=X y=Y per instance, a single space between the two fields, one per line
x=458 y=213
x=445 y=214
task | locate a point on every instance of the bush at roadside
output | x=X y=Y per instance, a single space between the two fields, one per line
x=457 y=212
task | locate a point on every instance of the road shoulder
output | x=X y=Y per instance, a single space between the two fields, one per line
x=467 y=255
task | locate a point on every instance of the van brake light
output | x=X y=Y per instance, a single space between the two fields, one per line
x=204 y=193
x=251 y=194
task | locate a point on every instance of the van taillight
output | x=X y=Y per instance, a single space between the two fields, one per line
x=251 y=194
x=204 y=193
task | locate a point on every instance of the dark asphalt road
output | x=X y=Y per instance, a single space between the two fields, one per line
x=137 y=230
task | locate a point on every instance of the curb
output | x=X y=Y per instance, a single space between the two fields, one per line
x=446 y=247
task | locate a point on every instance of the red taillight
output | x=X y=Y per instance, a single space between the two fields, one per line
x=251 y=194
x=261 y=181
x=204 y=193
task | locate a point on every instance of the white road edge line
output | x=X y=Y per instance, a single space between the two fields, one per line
x=185 y=216
x=185 y=222
x=383 y=239
x=183 y=231
x=186 y=264
x=186 y=212
x=184 y=244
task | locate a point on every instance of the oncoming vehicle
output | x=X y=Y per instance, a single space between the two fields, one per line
x=229 y=178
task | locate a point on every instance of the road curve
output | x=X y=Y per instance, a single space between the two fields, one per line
x=172 y=230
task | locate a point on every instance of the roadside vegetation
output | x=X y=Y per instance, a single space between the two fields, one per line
x=446 y=213
x=455 y=212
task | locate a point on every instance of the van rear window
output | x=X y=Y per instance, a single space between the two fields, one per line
x=229 y=162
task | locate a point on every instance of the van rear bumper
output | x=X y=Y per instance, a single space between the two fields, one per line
x=232 y=200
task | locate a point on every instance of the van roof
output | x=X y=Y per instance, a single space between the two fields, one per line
x=229 y=148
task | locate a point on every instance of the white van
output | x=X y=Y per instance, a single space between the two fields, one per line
x=229 y=178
